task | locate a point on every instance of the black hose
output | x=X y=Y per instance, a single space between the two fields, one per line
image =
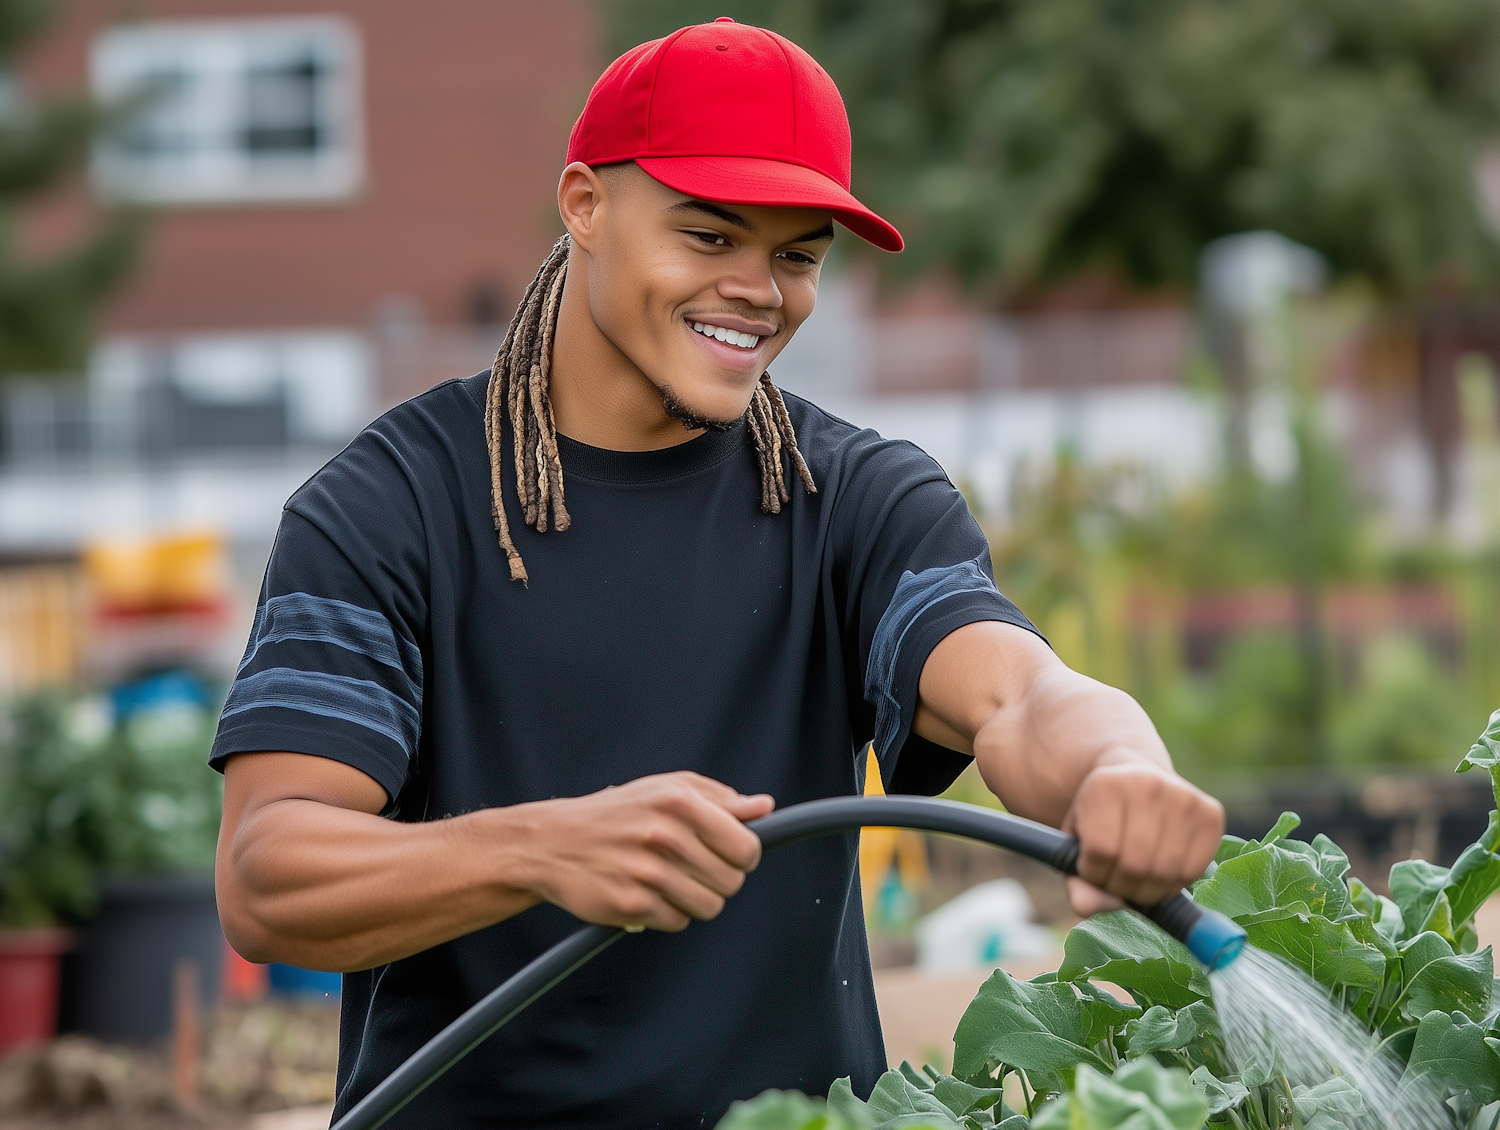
x=1202 y=930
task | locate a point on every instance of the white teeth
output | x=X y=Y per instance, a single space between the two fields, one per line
x=731 y=337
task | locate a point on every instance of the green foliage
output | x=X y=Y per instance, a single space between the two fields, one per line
x=1108 y=568
x=47 y=304
x=1141 y=1096
x=1019 y=142
x=1078 y=1058
x=82 y=794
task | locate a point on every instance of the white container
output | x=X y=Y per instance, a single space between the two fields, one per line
x=980 y=928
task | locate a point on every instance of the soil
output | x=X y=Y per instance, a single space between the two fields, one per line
x=255 y=1059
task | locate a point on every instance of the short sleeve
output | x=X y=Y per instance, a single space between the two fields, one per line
x=920 y=570
x=334 y=665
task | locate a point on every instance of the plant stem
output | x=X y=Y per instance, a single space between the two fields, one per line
x=1286 y=1089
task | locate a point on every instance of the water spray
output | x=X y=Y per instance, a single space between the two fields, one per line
x=1211 y=937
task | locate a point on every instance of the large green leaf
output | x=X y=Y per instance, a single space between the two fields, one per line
x=1231 y=846
x=1219 y=1094
x=1142 y=1095
x=1450 y=1054
x=1286 y=824
x=1161 y=1029
x=1329 y=1105
x=959 y=1097
x=1476 y=874
x=1103 y=1012
x=1329 y=952
x=1437 y=979
x=895 y=1104
x=1126 y=950
x=1273 y=876
x=1486 y=753
x=1417 y=885
x=786 y=1110
x=1042 y=1028
x=1382 y=912
x=1330 y=859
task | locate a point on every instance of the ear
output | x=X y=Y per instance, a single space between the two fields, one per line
x=581 y=201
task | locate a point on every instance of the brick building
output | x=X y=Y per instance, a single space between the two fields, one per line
x=349 y=198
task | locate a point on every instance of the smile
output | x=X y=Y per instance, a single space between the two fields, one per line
x=730 y=337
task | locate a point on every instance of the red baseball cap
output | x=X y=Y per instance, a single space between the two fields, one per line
x=730 y=113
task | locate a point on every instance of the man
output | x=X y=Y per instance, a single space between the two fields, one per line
x=537 y=644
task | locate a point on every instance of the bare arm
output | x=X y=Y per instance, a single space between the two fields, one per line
x=1058 y=747
x=308 y=873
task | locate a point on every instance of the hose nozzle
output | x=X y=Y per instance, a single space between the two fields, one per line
x=1211 y=937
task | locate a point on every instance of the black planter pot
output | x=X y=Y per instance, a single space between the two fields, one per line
x=117 y=984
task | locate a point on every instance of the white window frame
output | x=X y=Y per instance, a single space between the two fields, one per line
x=215 y=167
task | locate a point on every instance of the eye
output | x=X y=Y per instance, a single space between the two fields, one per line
x=712 y=238
x=799 y=257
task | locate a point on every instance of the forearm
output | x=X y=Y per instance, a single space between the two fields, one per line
x=1035 y=727
x=329 y=888
x=1058 y=747
x=1034 y=752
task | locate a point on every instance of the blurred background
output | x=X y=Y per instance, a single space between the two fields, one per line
x=1200 y=308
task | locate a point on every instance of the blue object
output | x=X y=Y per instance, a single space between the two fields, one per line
x=1215 y=939
x=293 y=981
x=175 y=688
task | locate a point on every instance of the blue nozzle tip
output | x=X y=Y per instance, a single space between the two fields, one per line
x=1215 y=940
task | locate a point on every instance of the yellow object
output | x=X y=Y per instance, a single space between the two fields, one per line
x=41 y=626
x=879 y=848
x=182 y=570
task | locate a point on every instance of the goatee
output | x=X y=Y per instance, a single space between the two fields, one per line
x=690 y=419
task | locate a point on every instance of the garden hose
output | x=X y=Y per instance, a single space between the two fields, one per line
x=1211 y=937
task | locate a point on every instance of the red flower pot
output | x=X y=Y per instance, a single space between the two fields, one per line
x=29 y=969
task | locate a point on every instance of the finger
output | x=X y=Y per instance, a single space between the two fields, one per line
x=1207 y=837
x=718 y=829
x=742 y=806
x=1150 y=857
x=750 y=807
x=663 y=917
x=1100 y=822
x=1195 y=829
x=1087 y=899
x=682 y=892
x=632 y=905
x=678 y=846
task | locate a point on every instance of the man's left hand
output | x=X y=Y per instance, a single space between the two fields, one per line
x=1144 y=833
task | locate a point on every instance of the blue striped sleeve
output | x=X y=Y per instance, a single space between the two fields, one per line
x=925 y=608
x=321 y=619
x=328 y=677
x=353 y=700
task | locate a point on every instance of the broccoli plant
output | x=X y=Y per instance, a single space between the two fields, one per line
x=1061 y=1052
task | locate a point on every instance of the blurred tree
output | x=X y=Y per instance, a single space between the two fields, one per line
x=1019 y=142
x=47 y=304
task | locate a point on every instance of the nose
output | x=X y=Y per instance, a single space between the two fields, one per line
x=750 y=280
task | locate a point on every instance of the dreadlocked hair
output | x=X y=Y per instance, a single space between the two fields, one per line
x=518 y=392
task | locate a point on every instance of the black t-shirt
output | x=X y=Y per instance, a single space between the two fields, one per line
x=674 y=626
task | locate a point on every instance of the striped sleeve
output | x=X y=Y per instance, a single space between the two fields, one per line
x=332 y=668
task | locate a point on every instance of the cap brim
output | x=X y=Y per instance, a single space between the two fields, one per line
x=774 y=184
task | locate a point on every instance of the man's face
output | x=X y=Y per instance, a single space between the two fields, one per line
x=700 y=297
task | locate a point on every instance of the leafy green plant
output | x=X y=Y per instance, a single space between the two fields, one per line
x=82 y=793
x=1060 y=1051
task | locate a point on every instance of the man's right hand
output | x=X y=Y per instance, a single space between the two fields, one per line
x=308 y=873
x=657 y=852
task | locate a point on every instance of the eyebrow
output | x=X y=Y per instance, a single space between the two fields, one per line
x=708 y=208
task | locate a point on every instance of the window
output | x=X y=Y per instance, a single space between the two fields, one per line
x=231 y=110
x=213 y=394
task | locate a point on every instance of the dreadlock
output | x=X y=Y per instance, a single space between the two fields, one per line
x=518 y=390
